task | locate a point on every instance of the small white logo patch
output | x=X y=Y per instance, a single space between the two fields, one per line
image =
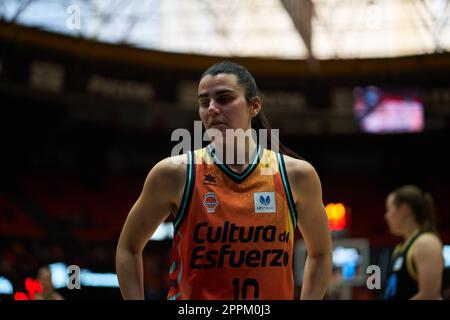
x=264 y=202
x=398 y=264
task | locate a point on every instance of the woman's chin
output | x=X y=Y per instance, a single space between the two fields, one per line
x=395 y=232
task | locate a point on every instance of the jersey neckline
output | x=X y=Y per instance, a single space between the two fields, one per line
x=235 y=176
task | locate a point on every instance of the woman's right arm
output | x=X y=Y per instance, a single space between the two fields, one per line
x=160 y=196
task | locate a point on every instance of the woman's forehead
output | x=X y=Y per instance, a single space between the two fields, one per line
x=390 y=198
x=219 y=81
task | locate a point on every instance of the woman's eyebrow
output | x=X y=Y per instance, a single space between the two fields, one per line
x=218 y=92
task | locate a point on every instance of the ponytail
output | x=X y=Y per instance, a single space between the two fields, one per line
x=421 y=204
x=260 y=121
x=429 y=221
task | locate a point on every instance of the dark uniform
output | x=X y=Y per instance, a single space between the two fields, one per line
x=402 y=277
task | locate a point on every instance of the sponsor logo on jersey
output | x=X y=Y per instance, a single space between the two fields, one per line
x=264 y=202
x=398 y=264
x=265 y=246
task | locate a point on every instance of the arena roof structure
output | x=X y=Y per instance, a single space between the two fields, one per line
x=280 y=29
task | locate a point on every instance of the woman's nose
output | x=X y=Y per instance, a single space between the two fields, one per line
x=212 y=108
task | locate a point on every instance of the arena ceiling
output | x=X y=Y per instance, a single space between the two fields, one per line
x=286 y=29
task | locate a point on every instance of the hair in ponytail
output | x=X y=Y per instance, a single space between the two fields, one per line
x=245 y=79
x=421 y=204
x=260 y=121
x=430 y=213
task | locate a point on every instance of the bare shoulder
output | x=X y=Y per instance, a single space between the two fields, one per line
x=57 y=296
x=297 y=165
x=168 y=175
x=427 y=251
x=427 y=241
x=299 y=169
x=303 y=177
x=171 y=167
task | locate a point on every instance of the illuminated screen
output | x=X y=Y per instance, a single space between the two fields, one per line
x=446 y=254
x=380 y=111
x=347 y=260
x=350 y=260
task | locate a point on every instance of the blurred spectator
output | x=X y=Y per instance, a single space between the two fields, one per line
x=48 y=291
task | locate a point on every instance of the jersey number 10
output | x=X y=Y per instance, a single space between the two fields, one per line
x=246 y=284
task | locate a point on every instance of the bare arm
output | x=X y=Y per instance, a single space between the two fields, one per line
x=313 y=223
x=160 y=196
x=427 y=257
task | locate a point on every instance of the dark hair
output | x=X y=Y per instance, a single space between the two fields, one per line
x=421 y=204
x=245 y=79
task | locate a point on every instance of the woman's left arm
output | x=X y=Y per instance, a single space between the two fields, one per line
x=428 y=259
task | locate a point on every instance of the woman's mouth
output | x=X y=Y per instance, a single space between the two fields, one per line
x=217 y=124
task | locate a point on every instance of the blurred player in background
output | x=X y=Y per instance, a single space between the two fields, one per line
x=234 y=222
x=48 y=291
x=416 y=266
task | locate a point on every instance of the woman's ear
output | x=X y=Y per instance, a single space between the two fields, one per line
x=255 y=106
x=404 y=208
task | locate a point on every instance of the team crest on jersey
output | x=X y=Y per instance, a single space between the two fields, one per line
x=264 y=202
x=210 y=202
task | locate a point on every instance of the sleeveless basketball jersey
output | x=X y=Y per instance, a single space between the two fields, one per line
x=234 y=233
x=401 y=284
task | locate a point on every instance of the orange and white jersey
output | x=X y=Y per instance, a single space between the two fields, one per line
x=234 y=233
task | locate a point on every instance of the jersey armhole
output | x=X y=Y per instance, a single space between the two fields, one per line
x=187 y=192
x=287 y=190
x=410 y=264
x=411 y=267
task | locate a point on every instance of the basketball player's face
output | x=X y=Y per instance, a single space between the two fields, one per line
x=222 y=103
x=393 y=215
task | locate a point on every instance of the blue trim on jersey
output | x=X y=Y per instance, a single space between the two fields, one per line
x=236 y=177
x=187 y=193
x=287 y=189
x=172 y=267
x=175 y=297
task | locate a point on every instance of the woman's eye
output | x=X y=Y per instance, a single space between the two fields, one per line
x=223 y=99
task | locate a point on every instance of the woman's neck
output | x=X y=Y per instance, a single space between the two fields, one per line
x=241 y=155
x=410 y=230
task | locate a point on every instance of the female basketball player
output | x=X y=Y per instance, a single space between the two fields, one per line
x=417 y=265
x=234 y=222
